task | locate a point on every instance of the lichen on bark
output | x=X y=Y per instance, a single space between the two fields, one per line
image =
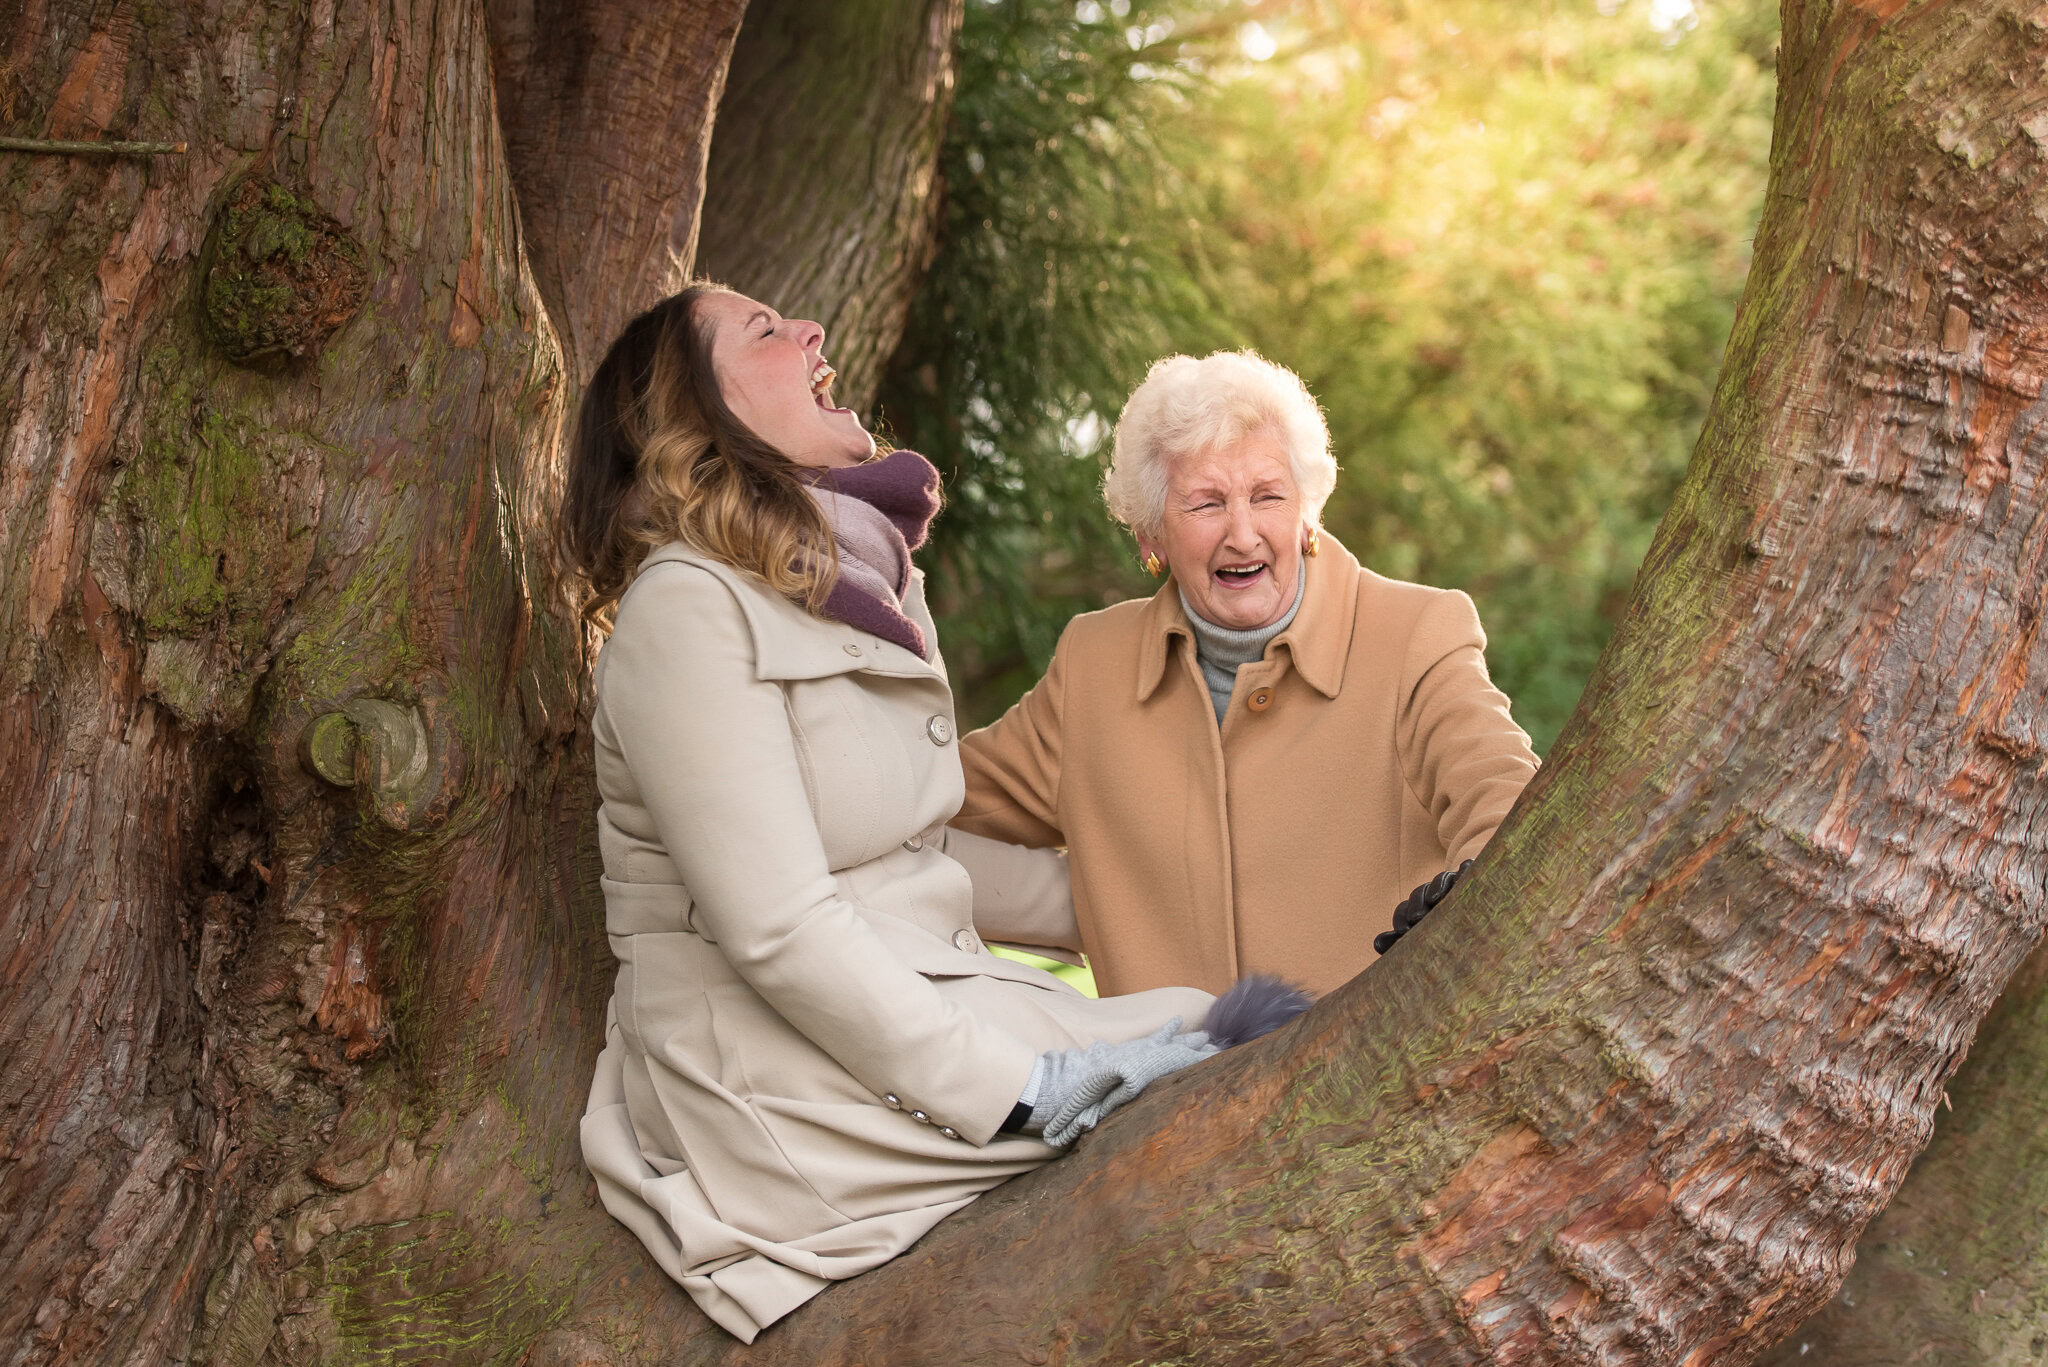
x=281 y=276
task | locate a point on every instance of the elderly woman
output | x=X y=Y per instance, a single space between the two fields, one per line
x=1249 y=768
x=810 y=1056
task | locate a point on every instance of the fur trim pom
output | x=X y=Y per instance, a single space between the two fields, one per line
x=1254 y=1006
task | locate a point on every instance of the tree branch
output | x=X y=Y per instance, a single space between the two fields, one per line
x=1960 y=1259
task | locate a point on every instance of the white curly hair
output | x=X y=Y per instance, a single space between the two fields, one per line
x=1187 y=406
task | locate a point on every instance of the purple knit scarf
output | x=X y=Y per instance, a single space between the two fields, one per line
x=879 y=513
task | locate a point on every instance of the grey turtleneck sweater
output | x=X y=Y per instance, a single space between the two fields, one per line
x=1220 y=650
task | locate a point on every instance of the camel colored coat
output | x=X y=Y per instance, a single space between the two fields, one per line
x=1366 y=752
x=809 y=1048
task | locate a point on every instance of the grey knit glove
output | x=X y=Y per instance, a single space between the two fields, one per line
x=1078 y=1087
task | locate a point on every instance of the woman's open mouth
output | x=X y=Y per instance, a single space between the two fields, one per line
x=822 y=376
x=1241 y=576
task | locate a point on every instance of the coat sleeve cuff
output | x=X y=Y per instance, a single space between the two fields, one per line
x=985 y=1104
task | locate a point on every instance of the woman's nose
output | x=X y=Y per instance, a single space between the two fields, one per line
x=811 y=334
x=1241 y=532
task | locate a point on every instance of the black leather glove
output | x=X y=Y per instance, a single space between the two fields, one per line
x=1417 y=905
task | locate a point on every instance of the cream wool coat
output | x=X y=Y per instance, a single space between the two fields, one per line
x=809 y=1048
x=1365 y=753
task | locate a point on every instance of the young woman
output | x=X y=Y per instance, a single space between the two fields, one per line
x=811 y=1057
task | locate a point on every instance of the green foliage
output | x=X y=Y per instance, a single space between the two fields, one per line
x=1503 y=246
x=1064 y=269
x=1501 y=242
x=1079 y=976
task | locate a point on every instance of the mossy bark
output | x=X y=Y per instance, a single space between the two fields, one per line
x=292 y=1067
x=217 y=964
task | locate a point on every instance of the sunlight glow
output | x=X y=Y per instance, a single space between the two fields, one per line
x=1672 y=16
x=1256 y=43
x=1084 y=435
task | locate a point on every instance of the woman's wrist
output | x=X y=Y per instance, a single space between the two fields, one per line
x=1020 y=1114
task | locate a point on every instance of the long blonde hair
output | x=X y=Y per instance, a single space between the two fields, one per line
x=658 y=456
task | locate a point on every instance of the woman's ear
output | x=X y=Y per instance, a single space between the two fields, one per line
x=1149 y=558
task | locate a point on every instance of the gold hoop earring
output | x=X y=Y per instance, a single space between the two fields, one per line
x=1152 y=565
x=1314 y=544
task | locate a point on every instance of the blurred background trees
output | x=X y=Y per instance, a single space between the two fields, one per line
x=1501 y=242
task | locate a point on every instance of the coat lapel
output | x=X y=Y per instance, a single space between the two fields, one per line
x=790 y=643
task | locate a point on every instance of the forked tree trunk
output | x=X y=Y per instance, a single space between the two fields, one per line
x=1629 y=1097
x=1955 y=1272
x=605 y=108
x=231 y=986
x=1634 y=1093
x=823 y=196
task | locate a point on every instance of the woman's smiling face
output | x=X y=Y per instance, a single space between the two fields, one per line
x=1232 y=531
x=772 y=373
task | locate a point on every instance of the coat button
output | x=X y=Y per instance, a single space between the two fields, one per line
x=914 y=844
x=920 y=1117
x=852 y=649
x=1260 y=700
x=893 y=1102
x=963 y=940
x=949 y=1132
x=939 y=729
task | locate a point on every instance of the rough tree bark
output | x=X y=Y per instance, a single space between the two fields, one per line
x=236 y=994
x=823 y=194
x=1955 y=1272
x=293 y=1062
x=292 y=1068
x=604 y=108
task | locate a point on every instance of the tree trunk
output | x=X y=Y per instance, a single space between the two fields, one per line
x=605 y=108
x=299 y=1064
x=293 y=1067
x=1955 y=1272
x=303 y=953
x=823 y=197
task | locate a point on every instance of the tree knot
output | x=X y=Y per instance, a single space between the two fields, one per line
x=281 y=276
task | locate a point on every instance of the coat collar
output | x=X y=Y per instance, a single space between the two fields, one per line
x=790 y=643
x=1318 y=640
